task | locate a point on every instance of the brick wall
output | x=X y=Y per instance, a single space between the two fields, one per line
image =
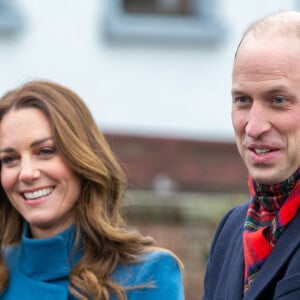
x=179 y=191
x=180 y=164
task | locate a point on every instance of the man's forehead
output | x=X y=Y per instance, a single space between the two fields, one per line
x=276 y=52
x=271 y=35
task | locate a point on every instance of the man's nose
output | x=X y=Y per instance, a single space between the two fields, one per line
x=258 y=121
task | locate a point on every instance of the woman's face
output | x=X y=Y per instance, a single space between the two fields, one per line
x=37 y=181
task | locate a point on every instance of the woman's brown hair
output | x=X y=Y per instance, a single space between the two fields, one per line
x=106 y=241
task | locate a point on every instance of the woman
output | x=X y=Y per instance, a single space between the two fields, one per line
x=61 y=188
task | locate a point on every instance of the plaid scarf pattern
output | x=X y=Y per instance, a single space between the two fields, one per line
x=272 y=207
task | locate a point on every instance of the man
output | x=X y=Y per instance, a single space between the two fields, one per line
x=256 y=250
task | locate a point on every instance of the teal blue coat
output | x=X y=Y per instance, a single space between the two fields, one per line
x=39 y=270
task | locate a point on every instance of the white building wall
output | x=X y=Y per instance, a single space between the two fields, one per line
x=181 y=90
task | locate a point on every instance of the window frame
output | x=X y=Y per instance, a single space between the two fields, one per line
x=11 y=21
x=203 y=26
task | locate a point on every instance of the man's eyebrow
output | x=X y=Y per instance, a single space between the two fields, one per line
x=237 y=92
x=33 y=144
x=271 y=90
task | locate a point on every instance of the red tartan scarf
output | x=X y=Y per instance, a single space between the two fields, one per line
x=272 y=207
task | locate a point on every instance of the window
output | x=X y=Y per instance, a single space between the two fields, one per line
x=10 y=19
x=164 y=20
x=162 y=7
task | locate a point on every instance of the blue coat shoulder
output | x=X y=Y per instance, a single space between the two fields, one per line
x=158 y=272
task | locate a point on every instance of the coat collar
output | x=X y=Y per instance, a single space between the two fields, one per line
x=50 y=258
x=274 y=264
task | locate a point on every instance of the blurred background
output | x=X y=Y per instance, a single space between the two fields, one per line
x=156 y=75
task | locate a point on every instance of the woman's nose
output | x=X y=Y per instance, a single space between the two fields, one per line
x=28 y=171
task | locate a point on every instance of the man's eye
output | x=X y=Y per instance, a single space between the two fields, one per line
x=279 y=100
x=242 y=99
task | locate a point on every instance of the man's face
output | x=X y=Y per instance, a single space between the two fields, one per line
x=266 y=106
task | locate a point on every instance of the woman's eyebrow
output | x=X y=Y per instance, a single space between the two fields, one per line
x=33 y=144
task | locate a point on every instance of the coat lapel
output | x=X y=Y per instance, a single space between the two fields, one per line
x=281 y=253
x=235 y=291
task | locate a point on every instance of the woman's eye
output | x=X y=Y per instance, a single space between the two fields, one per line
x=8 y=159
x=47 y=151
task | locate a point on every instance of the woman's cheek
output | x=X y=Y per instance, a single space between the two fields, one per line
x=7 y=179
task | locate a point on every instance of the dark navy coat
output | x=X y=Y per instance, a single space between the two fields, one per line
x=279 y=277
